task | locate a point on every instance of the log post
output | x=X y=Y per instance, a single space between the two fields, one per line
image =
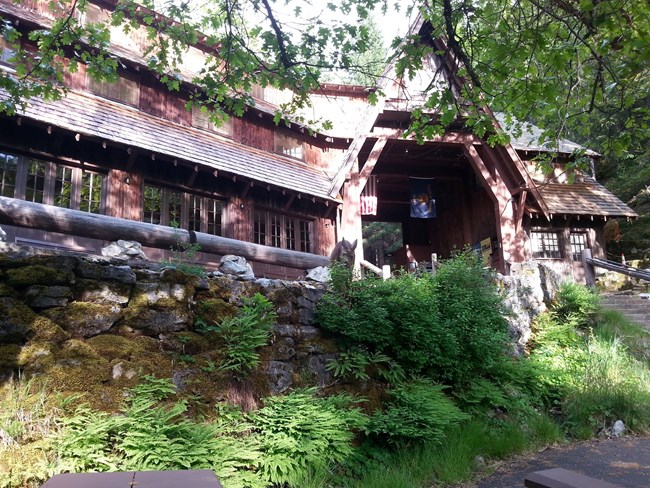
x=590 y=271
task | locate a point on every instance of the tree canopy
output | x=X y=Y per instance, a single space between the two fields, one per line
x=580 y=67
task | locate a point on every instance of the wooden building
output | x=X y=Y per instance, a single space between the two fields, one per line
x=131 y=152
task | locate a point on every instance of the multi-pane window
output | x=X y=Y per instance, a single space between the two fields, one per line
x=193 y=212
x=122 y=89
x=91 y=192
x=283 y=231
x=201 y=119
x=578 y=244
x=8 y=171
x=6 y=52
x=545 y=245
x=51 y=183
x=288 y=145
x=35 y=184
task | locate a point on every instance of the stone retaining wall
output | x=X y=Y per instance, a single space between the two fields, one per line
x=97 y=324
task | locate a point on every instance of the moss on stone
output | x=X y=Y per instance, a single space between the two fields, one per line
x=46 y=330
x=39 y=275
x=6 y=290
x=9 y=354
x=36 y=327
x=77 y=349
x=214 y=310
x=111 y=346
x=177 y=275
x=36 y=356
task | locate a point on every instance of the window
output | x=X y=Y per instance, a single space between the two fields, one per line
x=8 y=171
x=123 y=89
x=283 y=231
x=201 y=120
x=6 y=53
x=51 y=183
x=545 y=245
x=193 y=212
x=578 y=244
x=288 y=145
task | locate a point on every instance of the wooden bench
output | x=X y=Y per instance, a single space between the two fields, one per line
x=203 y=478
x=563 y=478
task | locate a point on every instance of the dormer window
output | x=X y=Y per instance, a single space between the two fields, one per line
x=124 y=89
x=288 y=145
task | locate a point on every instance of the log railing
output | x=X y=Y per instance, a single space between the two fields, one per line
x=384 y=271
x=591 y=263
x=21 y=213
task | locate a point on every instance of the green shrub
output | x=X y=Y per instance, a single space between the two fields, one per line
x=300 y=432
x=416 y=412
x=448 y=326
x=577 y=300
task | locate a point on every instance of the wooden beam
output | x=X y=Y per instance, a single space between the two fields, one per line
x=371 y=162
x=74 y=222
x=447 y=138
x=193 y=175
x=289 y=202
x=247 y=188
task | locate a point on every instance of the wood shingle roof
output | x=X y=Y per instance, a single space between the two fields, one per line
x=586 y=197
x=106 y=120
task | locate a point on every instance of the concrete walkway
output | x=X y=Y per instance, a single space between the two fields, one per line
x=623 y=461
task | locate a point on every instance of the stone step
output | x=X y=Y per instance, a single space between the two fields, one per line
x=632 y=306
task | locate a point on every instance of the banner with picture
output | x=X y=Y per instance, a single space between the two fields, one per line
x=423 y=202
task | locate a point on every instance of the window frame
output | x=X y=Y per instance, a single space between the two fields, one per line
x=48 y=188
x=102 y=88
x=549 y=249
x=576 y=257
x=280 y=146
x=186 y=200
x=283 y=231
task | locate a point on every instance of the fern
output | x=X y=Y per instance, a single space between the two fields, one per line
x=299 y=432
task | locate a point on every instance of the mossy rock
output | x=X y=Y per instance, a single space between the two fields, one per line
x=214 y=310
x=7 y=291
x=19 y=323
x=185 y=342
x=36 y=357
x=112 y=346
x=9 y=356
x=177 y=275
x=80 y=375
x=83 y=319
x=39 y=275
x=39 y=456
x=77 y=349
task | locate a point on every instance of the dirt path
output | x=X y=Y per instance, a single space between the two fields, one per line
x=624 y=461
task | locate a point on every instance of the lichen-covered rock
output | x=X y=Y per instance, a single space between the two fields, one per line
x=321 y=274
x=107 y=293
x=159 y=321
x=39 y=274
x=317 y=367
x=82 y=319
x=147 y=294
x=40 y=296
x=18 y=323
x=122 y=249
x=236 y=266
x=96 y=271
x=297 y=332
x=280 y=374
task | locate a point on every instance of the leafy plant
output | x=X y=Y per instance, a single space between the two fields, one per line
x=300 y=431
x=351 y=363
x=184 y=253
x=242 y=335
x=417 y=411
x=577 y=300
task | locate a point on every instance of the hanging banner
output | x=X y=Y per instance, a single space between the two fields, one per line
x=368 y=205
x=423 y=202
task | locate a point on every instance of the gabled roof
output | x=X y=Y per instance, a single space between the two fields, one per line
x=531 y=135
x=586 y=197
x=100 y=118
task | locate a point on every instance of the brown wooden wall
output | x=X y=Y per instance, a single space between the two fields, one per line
x=124 y=199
